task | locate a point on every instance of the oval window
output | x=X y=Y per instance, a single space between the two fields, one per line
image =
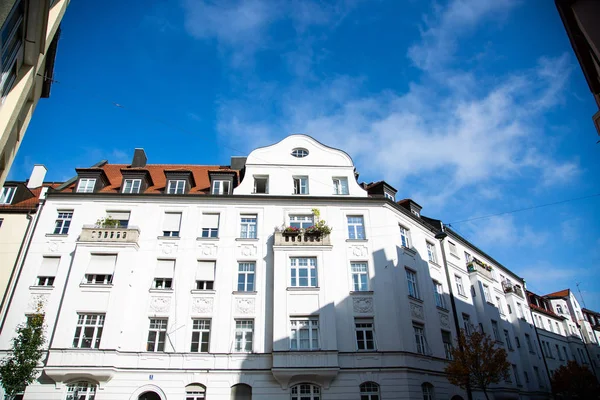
x=300 y=153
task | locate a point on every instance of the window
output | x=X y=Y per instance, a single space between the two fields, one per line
x=12 y=45
x=557 y=327
x=131 y=186
x=86 y=185
x=303 y=272
x=518 y=342
x=507 y=339
x=438 y=294
x=63 y=222
x=528 y=341
x=88 y=331
x=389 y=195
x=453 y=250
x=304 y=334
x=220 y=187
x=538 y=377
x=486 y=294
x=300 y=153
x=301 y=185
x=248 y=227
x=195 y=392
x=340 y=185
x=550 y=325
x=420 y=338
x=205 y=275
x=516 y=372
x=459 y=285
x=526 y=375
x=413 y=289
x=47 y=271
x=495 y=330
x=241 y=391
x=500 y=308
x=301 y=221
x=431 y=256
x=164 y=274
x=246 y=277
x=200 y=335
x=121 y=218
x=560 y=357
x=365 y=335
x=261 y=184
x=171 y=224
x=519 y=311
x=157 y=334
x=356 y=227
x=466 y=323
x=428 y=393
x=404 y=236
x=81 y=391
x=100 y=270
x=244 y=330
x=210 y=225
x=8 y=192
x=360 y=277
x=447 y=340
x=306 y=391
x=468 y=257
x=559 y=309
x=176 y=186
x=565 y=351
x=369 y=391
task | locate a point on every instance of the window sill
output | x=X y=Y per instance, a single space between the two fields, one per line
x=37 y=287
x=357 y=240
x=361 y=292
x=168 y=237
x=415 y=299
x=491 y=304
x=57 y=234
x=464 y=296
x=442 y=309
x=408 y=249
x=248 y=293
x=455 y=256
x=95 y=285
x=156 y=290
x=303 y=289
x=201 y=291
x=246 y=239
x=209 y=239
x=435 y=264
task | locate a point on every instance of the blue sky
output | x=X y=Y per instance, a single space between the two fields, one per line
x=470 y=107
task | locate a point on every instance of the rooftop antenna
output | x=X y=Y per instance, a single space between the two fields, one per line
x=580 y=295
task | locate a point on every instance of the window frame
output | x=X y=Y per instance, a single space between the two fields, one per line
x=301 y=221
x=161 y=283
x=15 y=38
x=220 y=187
x=431 y=252
x=438 y=294
x=173 y=186
x=241 y=327
x=460 y=289
x=357 y=284
x=210 y=230
x=448 y=347
x=200 y=335
x=452 y=249
x=248 y=233
x=486 y=293
x=160 y=330
x=64 y=217
x=300 y=324
x=75 y=387
x=314 y=392
x=412 y=283
x=133 y=188
x=258 y=178
x=404 y=236
x=93 y=279
x=369 y=391
x=47 y=281
x=420 y=338
x=338 y=185
x=354 y=227
x=367 y=326
x=246 y=285
x=8 y=194
x=507 y=340
x=310 y=267
x=495 y=330
x=84 y=183
x=299 y=152
x=97 y=325
x=301 y=186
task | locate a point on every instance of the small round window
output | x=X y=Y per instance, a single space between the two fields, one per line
x=300 y=153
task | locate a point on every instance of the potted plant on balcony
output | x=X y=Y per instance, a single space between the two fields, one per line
x=107 y=223
x=290 y=231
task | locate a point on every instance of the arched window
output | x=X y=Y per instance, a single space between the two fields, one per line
x=428 y=393
x=81 y=391
x=369 y=391
x=195 y=391
x=300 y=152
x=306 y=391
x=241 y=391
x=147 y=396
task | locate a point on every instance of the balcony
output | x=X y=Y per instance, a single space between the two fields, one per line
x=301 y=239
x=476 y=266
x=319 y=366
x=510 y=288
x=93 y=233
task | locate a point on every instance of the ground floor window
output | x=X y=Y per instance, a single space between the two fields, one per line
x=81 y=391
x=306 y=391
x=195 y=391
x=369 y=391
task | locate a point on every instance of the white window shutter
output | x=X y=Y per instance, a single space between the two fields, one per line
x=172 y=222
x=205 y=271
x=118 y=215
x=49 y=266
x=102 y=264
x=164 y=269
x=210 y=220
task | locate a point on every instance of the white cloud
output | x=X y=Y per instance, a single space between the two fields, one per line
x=503 y=231
x=544 y=277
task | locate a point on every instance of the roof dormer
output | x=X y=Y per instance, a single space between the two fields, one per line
x=135 y=180
x=90 y=180
x=410 y=205
x=381 y=189
x=179 y=181
x=222 y=182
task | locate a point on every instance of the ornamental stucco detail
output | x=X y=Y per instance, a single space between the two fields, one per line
x=444 y=320
x=37 y=301
x=359 y=251
x=244 y=306
x=160 y=304
x=416 y=310
x=202 y=305
x=208 y=250
x=247 y=250
x=168 y=248
x=362 y=304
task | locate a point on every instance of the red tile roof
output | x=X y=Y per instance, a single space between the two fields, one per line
x=29 y=204
x=561 y=293
x=157 y=174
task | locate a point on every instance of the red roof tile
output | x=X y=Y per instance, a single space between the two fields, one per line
x=30 y=203
x=561 y=293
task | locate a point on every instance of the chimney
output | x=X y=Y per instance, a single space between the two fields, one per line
x=37 y=176
x=238 y=163
x=139 y=159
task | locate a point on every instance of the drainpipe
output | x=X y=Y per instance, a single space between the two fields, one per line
x=21 y=256
x=441 y=235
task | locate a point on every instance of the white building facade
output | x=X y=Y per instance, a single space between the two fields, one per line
x=193 y=282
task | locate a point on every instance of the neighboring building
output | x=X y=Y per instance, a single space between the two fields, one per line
x=19 y=202
x=28 y=40
x=580 y=18
x=591 y=334
x=172 y=281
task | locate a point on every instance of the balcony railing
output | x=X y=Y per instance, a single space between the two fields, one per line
x=93 y=233
x=476 y=266
x=510 y=288
x=301 y=239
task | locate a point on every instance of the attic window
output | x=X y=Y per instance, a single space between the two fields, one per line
x=300 y=153
x=7 y=194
